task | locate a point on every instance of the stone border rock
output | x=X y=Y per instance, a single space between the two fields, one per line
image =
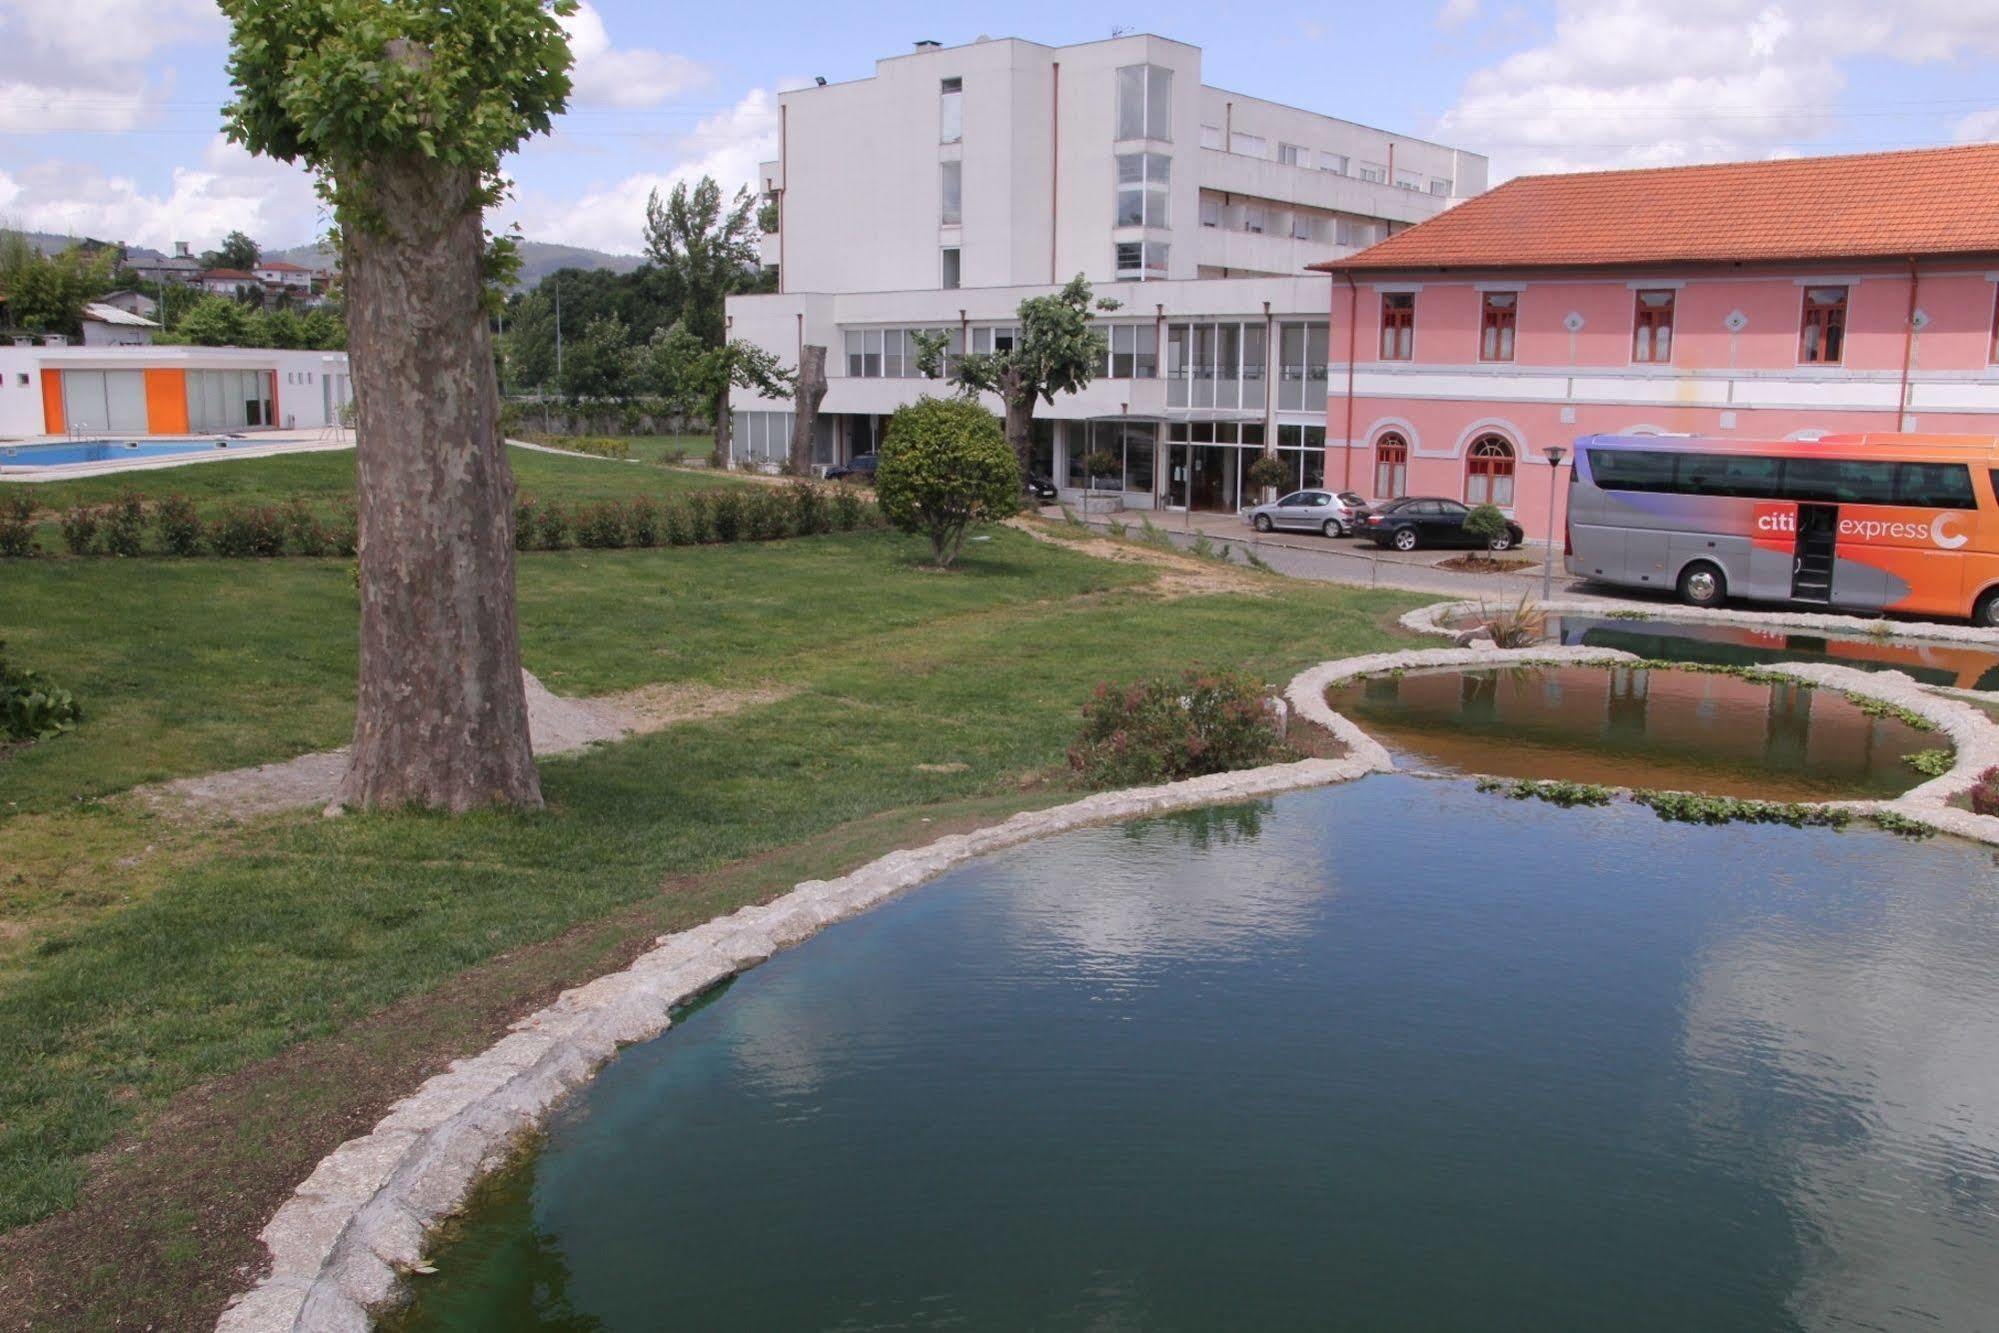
x=341 y=1244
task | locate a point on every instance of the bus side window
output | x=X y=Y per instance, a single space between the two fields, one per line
x=1934 y=486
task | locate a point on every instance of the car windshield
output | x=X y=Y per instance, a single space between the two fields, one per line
x=1349 y=498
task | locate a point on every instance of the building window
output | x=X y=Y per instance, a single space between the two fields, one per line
x=949 y=267
x=1652 y=327
x=1141 y=259
x=951 y=110
x=1334 y=162
x=953 y=192
x=994 y=338
x=1495 y=334
x=1211 y=211
x=1302 y=450
x=1218 y=365
x=1211 y=136
x=1134 y=351
x=1408 y=180
x=1822 y=337
x=1291 y=155
x=1255 y=218
x=1439 y=185
x=1145 y=103
x=1398 y=326
x=1249 y=145
x=1373 y=171
x=1301 y=385
x=1391 y=467
x=1489 y=472
x=1301 y=225
x=1142 y=179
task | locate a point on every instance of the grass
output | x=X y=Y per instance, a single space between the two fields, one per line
x=325 y=478
x=203 y=952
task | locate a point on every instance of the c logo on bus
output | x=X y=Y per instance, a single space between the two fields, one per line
x=1949 y=541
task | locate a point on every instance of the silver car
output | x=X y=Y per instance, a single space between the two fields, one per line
x=1304 y=511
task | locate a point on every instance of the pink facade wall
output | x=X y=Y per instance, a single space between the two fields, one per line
x=1742 y=382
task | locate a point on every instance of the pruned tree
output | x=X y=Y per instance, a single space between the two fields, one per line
x=944 y=470
x=704 y=252
x=811 y=392
x=404 y=109
x=1055 y=350
x=694 y=377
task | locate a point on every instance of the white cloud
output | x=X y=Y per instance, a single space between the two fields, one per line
x=229 y=191
x=66 y=68
x=611 y=216
x=1456 y=14
x=605 y=75
x=1979 y=126
x=1659 y=82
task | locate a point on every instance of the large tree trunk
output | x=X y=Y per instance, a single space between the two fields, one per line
x=721 y=458
x=1019 y=402
x=441 y=719
x=810 y=393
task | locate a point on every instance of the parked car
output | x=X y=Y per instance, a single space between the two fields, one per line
x=1358 y=508
x=1415 y=521
x=1306 y=511
x=1040 y=487
x=860 y=468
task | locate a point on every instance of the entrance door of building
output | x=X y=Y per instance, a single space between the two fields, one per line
x=1202 y=477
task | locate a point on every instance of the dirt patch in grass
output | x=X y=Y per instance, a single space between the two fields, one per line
x=165 y=1230
x=1484 y=564
x=1179 y=574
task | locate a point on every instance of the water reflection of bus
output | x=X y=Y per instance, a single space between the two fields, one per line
x=1861 y=522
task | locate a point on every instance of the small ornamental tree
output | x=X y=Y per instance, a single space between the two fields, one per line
x=1487 y=523
x=403 y=109
x=1267 y=474
x=944 y=469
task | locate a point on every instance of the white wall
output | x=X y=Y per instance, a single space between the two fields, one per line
x=299 y=377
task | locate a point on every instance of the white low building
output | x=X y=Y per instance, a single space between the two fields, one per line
x=956 y=182
x=117 y=391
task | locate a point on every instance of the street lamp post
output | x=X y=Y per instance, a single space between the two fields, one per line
x=1554 y=453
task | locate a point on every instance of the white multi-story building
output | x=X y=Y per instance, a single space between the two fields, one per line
x=956 y=182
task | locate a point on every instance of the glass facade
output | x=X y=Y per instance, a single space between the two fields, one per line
x=1220 y=365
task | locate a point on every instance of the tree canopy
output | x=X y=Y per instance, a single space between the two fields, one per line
x=237 y=251
x=47 y=293
x=945 y=468
x=704 y=252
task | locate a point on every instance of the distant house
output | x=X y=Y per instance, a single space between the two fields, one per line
x=280 y=275
x=228 y=281
x=136 y=303
x=179 y=267
x=107 y=325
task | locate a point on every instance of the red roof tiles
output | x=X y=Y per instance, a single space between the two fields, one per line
x=1938 y=201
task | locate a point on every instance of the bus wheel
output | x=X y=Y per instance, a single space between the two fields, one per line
x=1986 y=613
x=1702 y=584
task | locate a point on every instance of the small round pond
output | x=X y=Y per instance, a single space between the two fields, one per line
x=1387 y=1055
x=1703 y=731
x=1966 y=666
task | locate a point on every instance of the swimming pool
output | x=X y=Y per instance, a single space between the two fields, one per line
x=100 y=451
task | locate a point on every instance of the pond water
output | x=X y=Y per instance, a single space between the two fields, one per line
x=1388 y=1055
x=1698 y=731
x=1963 y=665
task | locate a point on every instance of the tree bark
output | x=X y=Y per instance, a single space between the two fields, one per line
x=1018 y=399
x=721 y=458
x=441 y=714
x=811 y=392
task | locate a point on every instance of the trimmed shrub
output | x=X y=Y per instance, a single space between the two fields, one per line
x=766 y=515
x=79 y=529
x=303 y=531
x=125 y=525
x=808 y=509
x=1985 y=795
x=642 y=520
x=344 y=534
x=32 y=708
x=849 y=509
x=700 y=518
x=674 y=526
x=725 y=516
x=1487 y=522
x=1167 y=728
x=247 y=531
x=552 y=528
x=1266 y=473
x=527 y=522
x=17 y=525
x=601 y=526
x=180 y=527
x=945 y=469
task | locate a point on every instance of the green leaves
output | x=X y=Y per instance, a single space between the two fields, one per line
x=945 y=467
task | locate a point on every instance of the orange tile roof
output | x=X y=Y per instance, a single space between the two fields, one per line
x=1935 y=201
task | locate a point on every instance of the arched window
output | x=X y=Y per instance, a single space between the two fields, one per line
x=1391 y=466
x=1489 y=472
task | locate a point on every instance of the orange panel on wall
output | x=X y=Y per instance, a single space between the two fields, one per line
x=52 y=422
x=166 y=402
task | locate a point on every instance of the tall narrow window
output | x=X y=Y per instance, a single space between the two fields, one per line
x=1141 y=259
x=951 y=110
x=1291 y=155
x=1335 y=162
x=1398 y=326
x=1495 y=334
x=948 y=267
x=1489 y=472
x=1822 y=337
x=1145 y=102
x=1142 y=180
x=1249 y=145
x=952 y=193
x=1391 y=467
x=1652 y=328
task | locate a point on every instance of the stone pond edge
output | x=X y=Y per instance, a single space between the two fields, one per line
x=341 y=1245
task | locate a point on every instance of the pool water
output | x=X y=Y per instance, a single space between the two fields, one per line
x=1700 y=731
x=1388 y=1055
x=99 y=451
x=1962 y=665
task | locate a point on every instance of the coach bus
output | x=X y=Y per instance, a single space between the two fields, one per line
x=1904 y=523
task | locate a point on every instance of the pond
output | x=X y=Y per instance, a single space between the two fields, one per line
x=1701 y=731
x=1387 y=1055
x=1965 y=666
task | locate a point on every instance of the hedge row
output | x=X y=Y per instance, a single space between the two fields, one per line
x=695 y=518
x=234 y=530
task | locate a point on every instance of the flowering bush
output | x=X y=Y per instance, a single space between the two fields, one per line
x=1174 y=727
x=181 y=529
x=1985 y=796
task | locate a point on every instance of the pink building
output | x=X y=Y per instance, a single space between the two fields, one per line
x=1755 y=300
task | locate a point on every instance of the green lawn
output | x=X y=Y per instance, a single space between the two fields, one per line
x=197 y=953
x=325 y=478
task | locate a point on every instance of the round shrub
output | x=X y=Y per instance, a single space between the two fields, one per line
x=1985 y=795
x=808 y=509
x=601 y=526
x=241 y=531
x=307 y=535
x=945 y=468
x=125 y=525
x=725 y=515
x=1266 y=473
x=180 y=527
x=642 y=520
x=17 y=525
x=79 y=529
x=1167 y=728
x=527 y=522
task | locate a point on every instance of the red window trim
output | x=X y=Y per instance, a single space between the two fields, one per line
x=1642 y=318
x=1398 y=319
x=1501 y=459
x=1825 y=310
x=1501 y=322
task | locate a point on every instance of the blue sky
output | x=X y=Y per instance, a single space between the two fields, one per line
x=109 y=109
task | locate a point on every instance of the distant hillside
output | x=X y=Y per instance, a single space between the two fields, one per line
x=538 y=259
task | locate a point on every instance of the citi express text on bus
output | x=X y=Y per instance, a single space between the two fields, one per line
x=1904 y=523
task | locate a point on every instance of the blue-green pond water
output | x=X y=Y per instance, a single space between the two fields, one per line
x=1393 y=1055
